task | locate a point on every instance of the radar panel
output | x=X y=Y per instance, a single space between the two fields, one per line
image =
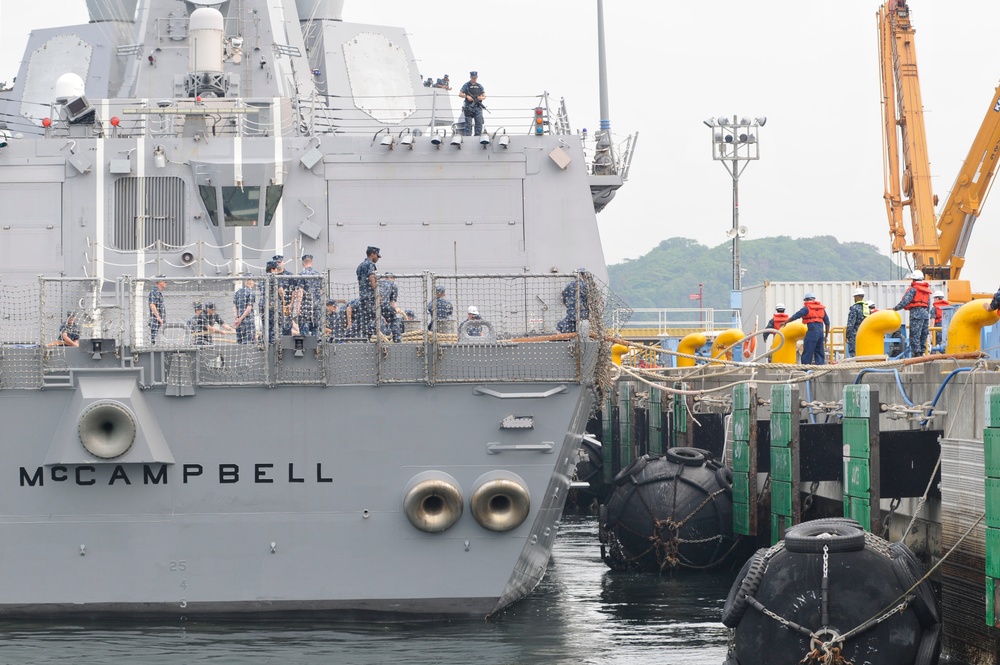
x=380 y=78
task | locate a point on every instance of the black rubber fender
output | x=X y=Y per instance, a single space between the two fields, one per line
x=632 y=469
x=686 y=456
x=709 y=455
x=746 y=584
x=930 y=647
x=725 y=477
x=908 y=571
x=812 y=537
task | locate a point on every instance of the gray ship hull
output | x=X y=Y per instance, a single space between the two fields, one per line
x=279 y=501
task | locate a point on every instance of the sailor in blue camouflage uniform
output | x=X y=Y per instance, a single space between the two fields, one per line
x=272 y=299
x=473 y=95
x=389 y=294
x=858 y=312
x=576 y=292
x=471 y=329
x=69 y=331
x=352 y=321
x=243 y=303
x=439 y=309
x=917 y=301
x=214 y=320
x=367 y=273
x=197 y=325
x=335 y=326
x=310 y=294
x=286 y=284
x=157 y=310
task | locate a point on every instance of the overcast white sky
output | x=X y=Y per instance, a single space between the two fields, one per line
x=810 y=67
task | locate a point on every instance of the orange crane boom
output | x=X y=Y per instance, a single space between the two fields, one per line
x=939 y=242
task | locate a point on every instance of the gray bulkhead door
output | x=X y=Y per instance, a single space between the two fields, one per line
x=30 y=226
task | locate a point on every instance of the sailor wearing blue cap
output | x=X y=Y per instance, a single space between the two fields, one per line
x=814 y=315
x=243 y=302
x=473 y=94
x=310 y=290
x=367 y=273
x=157 y=311
x=69 y=331
x=439 y=309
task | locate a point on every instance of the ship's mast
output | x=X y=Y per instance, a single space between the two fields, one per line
x=604 y=162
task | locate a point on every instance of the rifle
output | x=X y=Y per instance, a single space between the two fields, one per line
x=475 y=102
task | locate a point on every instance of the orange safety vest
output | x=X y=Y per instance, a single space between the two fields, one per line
x=938 y=306
x=922 y=297
x=816 y=312
x=780 y=319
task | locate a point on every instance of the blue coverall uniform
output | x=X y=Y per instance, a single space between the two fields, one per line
x=813 y=351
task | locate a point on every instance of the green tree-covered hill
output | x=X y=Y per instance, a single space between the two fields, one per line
x=670 y=272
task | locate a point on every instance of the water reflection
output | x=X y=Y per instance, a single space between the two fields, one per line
x=581 y=613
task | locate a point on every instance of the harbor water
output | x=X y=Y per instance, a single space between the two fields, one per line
x=581 y=613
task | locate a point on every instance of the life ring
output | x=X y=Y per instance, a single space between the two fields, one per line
x=107 y=429
x=500 y=504
x=749 y=346
x=433 y=505
x=812 y=537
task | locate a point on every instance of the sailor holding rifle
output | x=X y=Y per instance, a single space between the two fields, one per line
x=473 y=93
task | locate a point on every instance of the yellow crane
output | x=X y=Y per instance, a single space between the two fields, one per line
x=939 y=241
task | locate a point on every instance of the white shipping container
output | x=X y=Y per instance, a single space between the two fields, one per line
x=760 y=300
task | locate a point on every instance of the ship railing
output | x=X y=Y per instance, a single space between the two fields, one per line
x=433 y=112
x=307 y=330
x=657 y=322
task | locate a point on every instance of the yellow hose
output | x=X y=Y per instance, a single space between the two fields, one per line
x=966 y=323
x=793 y=332
x=724 y=340
x=872 y=331
x=617 y=351
x=689 y=344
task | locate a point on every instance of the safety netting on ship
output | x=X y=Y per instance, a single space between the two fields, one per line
x=305 y=329
x=41 y=322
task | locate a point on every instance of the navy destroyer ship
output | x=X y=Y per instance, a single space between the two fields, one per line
x=194 y=426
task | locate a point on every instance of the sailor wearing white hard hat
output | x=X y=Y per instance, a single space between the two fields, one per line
x=917 y=301
x=777 y=320
x=939 y=302
x=858 y=312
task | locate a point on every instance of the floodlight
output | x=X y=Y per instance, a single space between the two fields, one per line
x=159 y=157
